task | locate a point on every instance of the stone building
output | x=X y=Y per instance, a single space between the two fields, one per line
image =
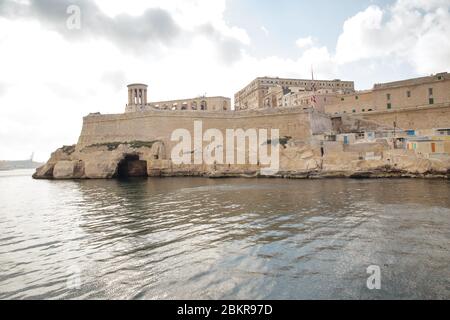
x=253 y=96
x=433 y=90
x=278 y=97
x=137 y=101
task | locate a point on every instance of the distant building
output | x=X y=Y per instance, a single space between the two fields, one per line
x=19 y=164
x=255 y=95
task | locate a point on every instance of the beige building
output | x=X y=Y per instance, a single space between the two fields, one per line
x=137 y=101
x=425 y=91
x=278 y=97
x=429 y=146
x=254 y=95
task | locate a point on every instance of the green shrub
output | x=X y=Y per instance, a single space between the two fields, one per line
x=133 y=144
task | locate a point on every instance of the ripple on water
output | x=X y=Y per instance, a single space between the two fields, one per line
x=199 y=238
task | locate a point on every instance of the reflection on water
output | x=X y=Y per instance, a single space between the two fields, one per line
x=234 y=238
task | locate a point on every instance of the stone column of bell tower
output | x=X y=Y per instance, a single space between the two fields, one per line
x=137 y=97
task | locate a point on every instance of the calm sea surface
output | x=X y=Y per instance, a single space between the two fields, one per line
x=222 y=239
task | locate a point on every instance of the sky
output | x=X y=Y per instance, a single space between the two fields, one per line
x=57 y=67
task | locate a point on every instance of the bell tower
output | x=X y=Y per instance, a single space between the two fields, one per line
x=137 y=97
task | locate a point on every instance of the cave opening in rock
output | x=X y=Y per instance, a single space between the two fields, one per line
x=131 y=166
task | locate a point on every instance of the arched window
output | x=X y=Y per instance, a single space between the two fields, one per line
x=175 y=106
x=203 y=105
x=194 y=105
x=184 y=106
x=225 y=105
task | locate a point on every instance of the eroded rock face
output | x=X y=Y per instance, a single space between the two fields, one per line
x=44 y=172
x=100 y=161
x=298 y=159
x=62 y=154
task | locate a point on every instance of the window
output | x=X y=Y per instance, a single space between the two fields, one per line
x=389 y=106
x=370 y=110
x=443 y=132
x=363 y=110
x=430 y=91
x=408 y=94
x=356 y=97
x=354 y=111
x=440 y=78
x=388 y=96
x=431 y=101
x=342 y=99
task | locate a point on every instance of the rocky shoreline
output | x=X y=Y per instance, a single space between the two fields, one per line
x=297 y=161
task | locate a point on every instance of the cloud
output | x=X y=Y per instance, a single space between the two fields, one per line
x=265 y=31
x=153 y=30
x=415 y=31
x=229 y=49
x=116 y=79
x=3 y=88
x=304 y=43
x=153 y=27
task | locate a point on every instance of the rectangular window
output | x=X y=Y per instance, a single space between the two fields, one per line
x=430 y=91
x=431 y=101
x=443 y=132
x=389 y=106
x=388 y=96
x=408 y=94
x=342 y=99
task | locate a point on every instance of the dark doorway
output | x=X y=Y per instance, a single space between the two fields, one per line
x=131 y=166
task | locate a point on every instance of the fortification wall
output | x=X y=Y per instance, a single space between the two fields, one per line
x=159 y=125
x=413 y=118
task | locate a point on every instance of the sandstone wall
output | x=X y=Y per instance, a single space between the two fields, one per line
x=159 y=125
x=413 y=118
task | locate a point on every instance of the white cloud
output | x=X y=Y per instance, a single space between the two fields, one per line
x=416 y=31
x=265 y=31
x=304 y=43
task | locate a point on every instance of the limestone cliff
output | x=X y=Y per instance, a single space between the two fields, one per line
x=298 y=159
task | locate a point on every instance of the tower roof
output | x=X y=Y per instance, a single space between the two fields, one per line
x=137 y=85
